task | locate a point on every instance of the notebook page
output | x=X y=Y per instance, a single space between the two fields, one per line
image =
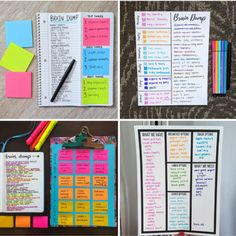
x=24 y=182
x=172 y=57
x=2 y=182
x=97 y=58
x=60 y=37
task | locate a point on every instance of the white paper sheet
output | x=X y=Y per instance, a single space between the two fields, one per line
x=172 y=57
x=179 y=172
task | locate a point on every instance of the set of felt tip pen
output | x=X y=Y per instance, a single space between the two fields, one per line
x=40 y=134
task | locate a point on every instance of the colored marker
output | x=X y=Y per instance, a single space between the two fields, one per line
x=45 y=135
x=35 y=133
x=32 y=147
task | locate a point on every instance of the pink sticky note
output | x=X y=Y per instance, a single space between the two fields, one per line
x=96 y=32
x=65 y=155
x=100 y=155
x=65 y=168
x=18 y=84
x=82 y=155
x=82 y=168
x=100 y=168
x=40 y=221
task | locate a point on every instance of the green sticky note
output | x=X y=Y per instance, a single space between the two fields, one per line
x=95 y=91
x=16 y=59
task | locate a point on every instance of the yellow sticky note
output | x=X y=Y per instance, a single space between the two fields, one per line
x=100 y=207
x=65 y=219
x=82 y=206
x=82 y=220
x=16 y=59
x=95 y=91
x=6 y=222
x=65 y=206
x=100 y=220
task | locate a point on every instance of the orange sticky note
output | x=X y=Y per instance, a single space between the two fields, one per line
x=6 y=222
x=100 y=194
x=82 y=193
x=22 y=221
x=82 y=181
x=100 y=181
x=65 y=181
x=65 y=193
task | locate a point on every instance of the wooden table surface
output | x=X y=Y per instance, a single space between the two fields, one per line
x=223 y=26
x=62 y=129
x=28 y=108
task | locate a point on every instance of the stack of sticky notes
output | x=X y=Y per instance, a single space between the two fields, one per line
x=23 y=221
x=220 y=66
x=16 y=59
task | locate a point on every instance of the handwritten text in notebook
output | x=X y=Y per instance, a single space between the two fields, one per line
x=172 y=57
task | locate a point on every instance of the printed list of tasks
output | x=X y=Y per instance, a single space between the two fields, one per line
x=172 y=57
x=179 y=180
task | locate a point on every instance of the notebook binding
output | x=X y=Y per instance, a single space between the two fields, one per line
x=38 y=50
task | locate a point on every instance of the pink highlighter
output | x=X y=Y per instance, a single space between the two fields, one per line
x=34 y=135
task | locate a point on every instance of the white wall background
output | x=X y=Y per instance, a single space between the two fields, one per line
x=128 y=172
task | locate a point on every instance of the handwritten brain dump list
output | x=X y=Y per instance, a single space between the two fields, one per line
x=172 y=57
x=178 y=174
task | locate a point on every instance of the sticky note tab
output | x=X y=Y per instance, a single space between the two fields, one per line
x=19 y=32
x=82 y=155
x=82 y=168
x=82 y=206
x=82 y=220
x=100 y=194
x=96 y=61
x=95 y=91
x=65 y=219
x=100 y=181
x=18 y=84
x=6 y=222
x=100 y=155
x=22 y=221
x=40 y=221
x=65 y=168
x=96 y=32
x=65 y=193
x=82 y=181
x=100 y=207
x=64 y=206
x=82 y=194
x=100 y=220
x=65 y=155
x=101 y=168
x=16 y=59
x=65 y=180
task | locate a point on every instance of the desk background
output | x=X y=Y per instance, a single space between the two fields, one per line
x=28 y=108
x=66 y=129
x=223 y=26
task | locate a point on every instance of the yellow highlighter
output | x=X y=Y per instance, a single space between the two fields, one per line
x=45 y=135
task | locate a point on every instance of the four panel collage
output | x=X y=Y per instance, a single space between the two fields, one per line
x=117 y=118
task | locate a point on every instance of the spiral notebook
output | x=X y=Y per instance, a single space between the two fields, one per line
x=85 y=37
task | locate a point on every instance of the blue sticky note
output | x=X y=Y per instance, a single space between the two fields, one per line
x=19 y=32
x=96 y=61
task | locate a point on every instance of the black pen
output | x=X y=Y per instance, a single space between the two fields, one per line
x=67 y=72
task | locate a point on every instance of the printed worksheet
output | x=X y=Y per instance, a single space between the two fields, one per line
x=178 y=179
x=172 y=57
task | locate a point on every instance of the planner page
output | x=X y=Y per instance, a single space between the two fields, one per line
x=83 y=187
x=97 y=58
x=172 y=57
x=179 y=172
x=59 y=42
x=23 y=182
